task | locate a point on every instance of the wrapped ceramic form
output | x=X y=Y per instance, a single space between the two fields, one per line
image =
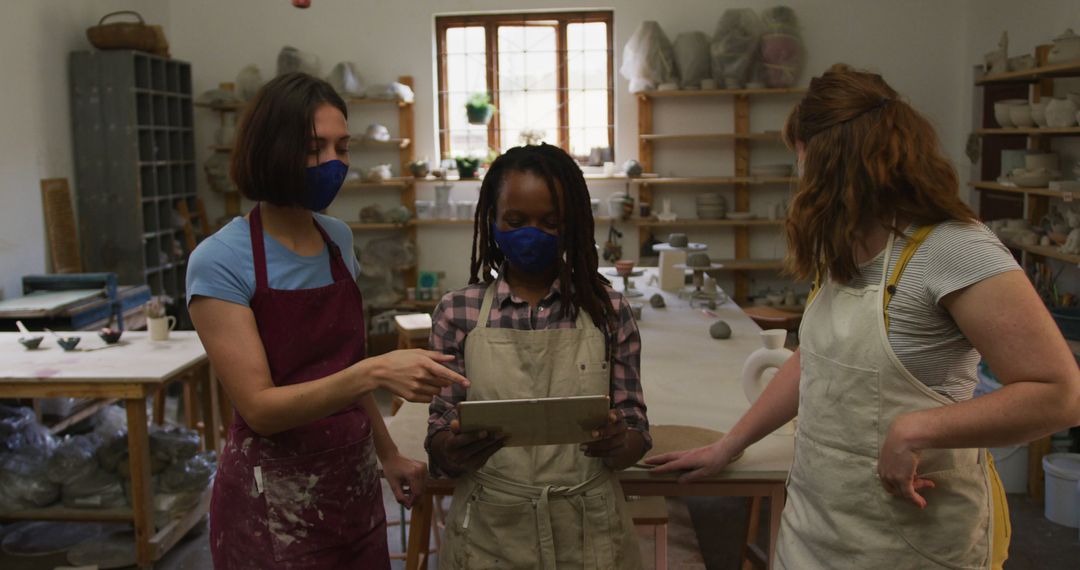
x=735 y=46
x=692 y=59
x=248 y=82
x=345 y=80
x=648 y=58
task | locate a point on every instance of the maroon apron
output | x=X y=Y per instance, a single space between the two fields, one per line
x=309 y=497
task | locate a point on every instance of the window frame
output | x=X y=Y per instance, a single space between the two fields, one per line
x=491 y=23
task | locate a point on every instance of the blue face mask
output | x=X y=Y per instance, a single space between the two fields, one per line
x=528 y=249
x=323 y=183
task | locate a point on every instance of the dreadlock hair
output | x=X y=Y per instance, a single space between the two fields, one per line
x=577 y=264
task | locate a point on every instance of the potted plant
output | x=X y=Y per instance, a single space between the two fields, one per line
x=479 y=109
x=467 y=166
x=158 y=324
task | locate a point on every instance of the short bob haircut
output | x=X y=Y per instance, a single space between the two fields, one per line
x=275 y=136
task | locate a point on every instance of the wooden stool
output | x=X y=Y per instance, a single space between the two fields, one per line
x=413 y=330
x=652 y=511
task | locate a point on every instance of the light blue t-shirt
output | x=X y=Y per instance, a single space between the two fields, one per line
x=222 y=265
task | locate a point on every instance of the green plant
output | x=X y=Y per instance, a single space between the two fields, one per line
x=467 y=166
x=479 y=109
x=479 y=101
x=154 y=308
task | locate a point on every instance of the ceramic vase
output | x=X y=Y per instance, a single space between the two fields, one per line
x=762 y=365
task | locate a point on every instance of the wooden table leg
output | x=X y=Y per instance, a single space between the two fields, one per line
x=191 y=413
x=776 y=506
x=142 y=501
x=419 y=532
x=159 y=406
x=225 y=404
x=753 y=521
x=210 y=417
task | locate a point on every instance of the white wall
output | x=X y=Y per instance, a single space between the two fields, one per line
x=924 y=48
x=35 y=141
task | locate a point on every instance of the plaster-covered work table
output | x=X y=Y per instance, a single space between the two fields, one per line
x=132 y=371
x=689 y=379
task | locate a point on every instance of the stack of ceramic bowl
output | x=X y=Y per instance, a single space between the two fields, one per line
x=1003 y=112
x=711 y=206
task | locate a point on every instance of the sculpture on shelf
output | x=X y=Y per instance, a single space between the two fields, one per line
x=997 y=61
x=762 y=365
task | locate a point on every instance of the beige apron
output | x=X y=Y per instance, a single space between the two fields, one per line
x=851 y=388
x=542 y=506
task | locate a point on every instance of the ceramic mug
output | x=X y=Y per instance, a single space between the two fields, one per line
x=159 y=328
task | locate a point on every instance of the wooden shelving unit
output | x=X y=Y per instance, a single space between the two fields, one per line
x=1002 y=201
x=741 y=181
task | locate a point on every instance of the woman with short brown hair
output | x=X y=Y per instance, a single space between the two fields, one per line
x=910 y=290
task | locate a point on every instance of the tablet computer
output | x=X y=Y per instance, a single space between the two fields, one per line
x=537 y=421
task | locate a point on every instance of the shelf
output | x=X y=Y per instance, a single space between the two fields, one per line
x=176 y=94
x=678 y=94
x=359 y=226
x=1047 y=251
x=388 y=183
x=706 y=223
x=161 y=233
x=166 y=267
x=750 y=264
x=436 y=222
x=166 y=163
x=1021 y=190
x=1031 y=132
x=1067 y=69
x=62 y=513
x=715 y=181
x=377 y=101
x=391 y=143
x=223 y=107
x=707 y=137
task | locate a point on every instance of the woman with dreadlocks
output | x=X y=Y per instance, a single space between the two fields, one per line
x=546 y=325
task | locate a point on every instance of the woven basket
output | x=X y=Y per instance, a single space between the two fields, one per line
x=127 y=35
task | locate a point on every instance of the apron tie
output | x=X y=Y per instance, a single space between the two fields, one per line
x=540 y=496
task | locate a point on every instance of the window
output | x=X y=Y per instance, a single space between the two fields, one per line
x=550 y=75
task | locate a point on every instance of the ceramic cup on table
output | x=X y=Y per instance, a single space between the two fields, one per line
x=159 y=328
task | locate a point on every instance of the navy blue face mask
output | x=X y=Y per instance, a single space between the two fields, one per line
x=529 y=249
x=323 y=183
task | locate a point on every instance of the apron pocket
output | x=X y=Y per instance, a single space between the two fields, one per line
x=322 y=500
x=500 y=534
x=953 y=528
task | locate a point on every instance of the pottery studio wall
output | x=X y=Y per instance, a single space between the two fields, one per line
x=918 y=54
x=924 y=48
x=35 y=141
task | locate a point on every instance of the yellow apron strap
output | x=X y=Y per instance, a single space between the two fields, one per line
x=815 y=287
x=901 y=262
x=999 y=545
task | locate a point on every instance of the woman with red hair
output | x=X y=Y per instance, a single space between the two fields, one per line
x=910 y=291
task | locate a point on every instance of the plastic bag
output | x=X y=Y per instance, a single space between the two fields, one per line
x=172 y=444
x=290 y=59
x=20 y=432
x=99 y=490
x=23 y=481
x=13 y=421
x=394 y=90
x=692 y=59
x=648 y=58
x=781 y=47
x=113 y=451
x=345 y=80
x=735 y=46
x=191 y=476
x=74 y=458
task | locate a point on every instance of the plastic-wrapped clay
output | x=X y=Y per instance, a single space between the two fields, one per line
x=692 y=58
x=100 y=490
x=735 y=46
x=23 y=481
x=248 y=82
x=14 y=419
x=191 y=476
x=648 y=58
x=345 y=80
x=113 y=451
x=172 y=444
x=291 y=59
x=31 y=435
x=74 y=458
x=781 y=47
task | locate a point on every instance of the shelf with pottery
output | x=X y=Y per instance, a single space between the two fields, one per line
x=750 y=264
x=999 y=187
x=742 y=179
x=239 y=105
x=697 y=93
x=1031 y=131
x=1049 y=71
x=356 y=142
x=359 y=184
x=710 y=137
x=1049 y=251
x=588 y=177
x=691 y=222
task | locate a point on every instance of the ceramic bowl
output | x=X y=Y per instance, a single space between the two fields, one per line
x=1031 y=178
x=698 y=259
x=1041 y=160
x=678 y=240
x=110 y=336
x=425 y=209
x=1038 y=112
x=1061 y=113
x=1020 y=115
x=1001 y=112
x=31 y=342
x=68 y=343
